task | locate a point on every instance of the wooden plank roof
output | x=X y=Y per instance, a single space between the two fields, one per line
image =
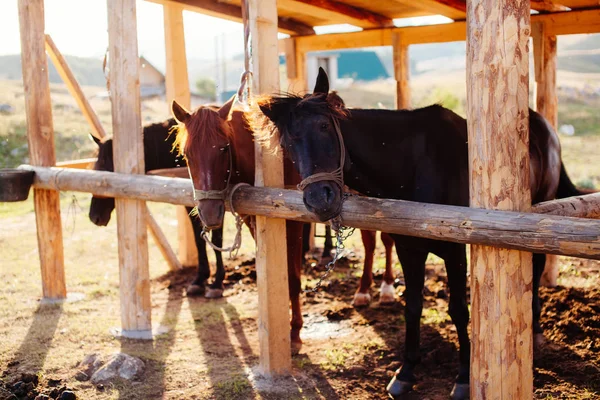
x=299 y=17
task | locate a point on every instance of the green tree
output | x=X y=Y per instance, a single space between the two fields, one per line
x=206 y=88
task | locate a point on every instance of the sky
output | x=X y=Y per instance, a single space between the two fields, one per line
x=79 y=28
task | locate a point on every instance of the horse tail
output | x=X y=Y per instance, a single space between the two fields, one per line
x=566 y=188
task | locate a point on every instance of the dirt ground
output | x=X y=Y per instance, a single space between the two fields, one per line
x=211 y=348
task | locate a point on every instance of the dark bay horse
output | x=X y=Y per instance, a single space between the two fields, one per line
x=418 y=155
x=158 y=154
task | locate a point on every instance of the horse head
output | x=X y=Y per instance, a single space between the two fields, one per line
x=102 y=207
x=308 y=129
x=204 y=138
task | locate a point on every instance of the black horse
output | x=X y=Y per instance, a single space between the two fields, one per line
x=158 y=145
x=418 y=155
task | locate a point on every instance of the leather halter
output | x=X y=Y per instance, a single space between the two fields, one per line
x=338 y=174
x=214 y=194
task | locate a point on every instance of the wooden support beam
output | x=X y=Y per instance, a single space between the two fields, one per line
x=233 y=12
x=547 y=6
x=295 y=62
x=540 y=233
x=271 y=256
x=69 y=79
x=401 y=71
x=163 y=244
x=562 y=23
x=498 y=127
x=178 y=88
x=352 y=15
x=451 y=10
x=544 y=56
x=128 y=151
x=40 y=139
x=83 y=163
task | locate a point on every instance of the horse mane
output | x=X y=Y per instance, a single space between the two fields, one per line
x=289 y=106
x=205 y=124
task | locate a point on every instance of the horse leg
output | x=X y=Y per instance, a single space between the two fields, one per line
x=539 y=262
x=413 y=266
x=456 y=269
x=294 y=259
x=387 y=292
x=328 y=245
x=215 y=289
x=196 y=288
x=305 y=238
x=362 y=296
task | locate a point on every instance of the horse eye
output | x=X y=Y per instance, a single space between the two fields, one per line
x=324 y=126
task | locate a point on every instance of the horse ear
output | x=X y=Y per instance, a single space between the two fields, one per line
x=273 y=110
x=95 y=139
x=179 y=112
x=225 y=110
x=322 y=85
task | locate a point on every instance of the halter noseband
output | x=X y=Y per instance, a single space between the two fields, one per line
x=214 y=194
x=338 y=174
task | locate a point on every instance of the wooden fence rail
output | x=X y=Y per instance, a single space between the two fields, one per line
x=577 y=237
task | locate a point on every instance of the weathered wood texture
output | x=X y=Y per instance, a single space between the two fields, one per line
x=562 y=23
x=577 y=237
x=129 y=159
x=178 y=88
x=40 y=138
x=587 y=206
x=544 y=56
x=498 y=120
x=163 y=244
x=271 y=256
x=69 y=79
x=401 y=71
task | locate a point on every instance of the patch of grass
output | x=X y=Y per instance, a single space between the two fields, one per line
x=233 y=388
x=335 y=359
x=432 y=316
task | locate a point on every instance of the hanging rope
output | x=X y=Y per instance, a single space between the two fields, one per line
x=244 y=91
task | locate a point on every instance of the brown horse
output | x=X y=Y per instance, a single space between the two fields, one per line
x=417 y=155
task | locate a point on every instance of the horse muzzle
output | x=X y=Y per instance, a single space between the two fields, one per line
x=211 y=213
x=324 y=199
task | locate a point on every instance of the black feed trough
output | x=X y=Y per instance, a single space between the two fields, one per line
x=15 y=184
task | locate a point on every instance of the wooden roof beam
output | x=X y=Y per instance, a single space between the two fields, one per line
x=547 y=6
x=364 y=18
x=454 y=10
x=232 y=12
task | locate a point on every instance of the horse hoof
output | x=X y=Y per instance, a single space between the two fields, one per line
x=296 y=347
x=388 y=294
x=194 y=290
x=460 y=391
x=361 y=299
x=397 y=388
x=213 y=293
x=539 y=340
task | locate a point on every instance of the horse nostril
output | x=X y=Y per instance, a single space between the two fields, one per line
x=329 y=196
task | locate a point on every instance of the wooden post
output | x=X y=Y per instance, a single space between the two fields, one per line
x=295 y=66
x=40 y=138
x=178 y=88
x=401 y=71
x=69 y=79
x=498 y=121
x=544 y=56
x=129 y=158
x=271 y=256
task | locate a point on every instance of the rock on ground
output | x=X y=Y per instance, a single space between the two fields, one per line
x=120 y=365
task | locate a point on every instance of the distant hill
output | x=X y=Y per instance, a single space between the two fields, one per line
x=87 y=71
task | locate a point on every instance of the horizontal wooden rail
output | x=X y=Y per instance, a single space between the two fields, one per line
x=587 y=206
x=83 y=163
x=577 y=237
